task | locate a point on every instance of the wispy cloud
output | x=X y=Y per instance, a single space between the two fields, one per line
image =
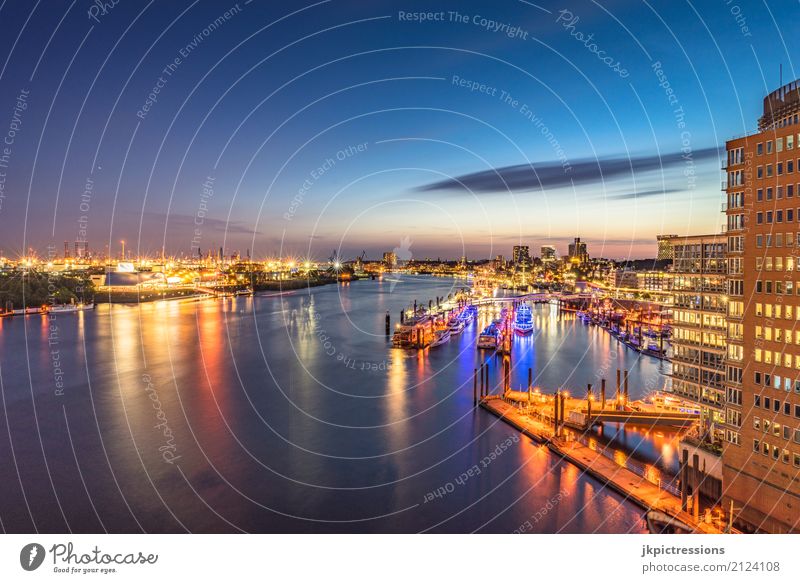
x=543 y=175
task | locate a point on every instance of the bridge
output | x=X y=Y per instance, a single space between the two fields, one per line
x=533 y=298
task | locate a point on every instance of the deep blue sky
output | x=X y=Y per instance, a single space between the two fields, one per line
x=268 y=96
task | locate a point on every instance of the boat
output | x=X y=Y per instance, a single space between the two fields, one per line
x=490 y=337
x=661 y=523
x=523 y=322
x=440 y=337
x=64 y=308
x=665 y=401
x=417 y=332
x=652 y=349
x=456 y=325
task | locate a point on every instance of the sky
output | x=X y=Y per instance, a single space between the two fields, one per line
x=307 y=128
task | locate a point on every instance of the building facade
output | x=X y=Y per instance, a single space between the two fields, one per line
x=699 y=329
x=665 y=250
x=521 y=255
x=548 y=254
x=578 y=252
x=761 y=458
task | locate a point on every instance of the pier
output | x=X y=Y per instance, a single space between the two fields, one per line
x=632 y=486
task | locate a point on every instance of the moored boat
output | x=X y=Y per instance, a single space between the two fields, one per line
x=523 y=321
x=490 y=337
x=456 y=325
x=440 y=337
x=661 y=523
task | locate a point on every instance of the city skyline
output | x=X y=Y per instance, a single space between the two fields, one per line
x=469 y=151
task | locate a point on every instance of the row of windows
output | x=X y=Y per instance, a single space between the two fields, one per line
x=779 y=169
x=777 y=358
x=776 y=429
x=768 y=218
x=778 y=239
x=788 y=141
x=778 y=287
x=776 y=382
x=774 y=263
x=777 y=311
x=778 y=453
x=776 y=193
x=777 y=334
x=776 y=405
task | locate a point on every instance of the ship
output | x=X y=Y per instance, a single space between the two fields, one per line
x=490 y=337
x=440 y=337
x=523 y=322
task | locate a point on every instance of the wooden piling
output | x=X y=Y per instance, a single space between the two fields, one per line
x=603 y=394
x=475 y=387
x=619 y=388
x=627 y=395
x=589 y=405
x=684 y=480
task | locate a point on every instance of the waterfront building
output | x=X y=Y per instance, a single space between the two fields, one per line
x=548 y=254
x=521 y=256
x=622 y=278
x=761 y=457
x=390 y=259
x=578 y=252
x=665 y=250
x=699 y=329
x=655 y=281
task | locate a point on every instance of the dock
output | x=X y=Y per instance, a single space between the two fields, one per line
x=633 y=487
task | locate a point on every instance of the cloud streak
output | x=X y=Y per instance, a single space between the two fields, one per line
x=540 y=176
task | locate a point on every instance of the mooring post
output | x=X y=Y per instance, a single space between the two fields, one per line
x=602 y=394
x=402 y=316
x=627 y=395
x=556 y=399
x=589 y=405
x=619 y=388
x=475 y=387
x=388 y=322
x=684 y=480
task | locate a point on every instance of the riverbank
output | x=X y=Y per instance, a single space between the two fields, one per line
x=293 y=284
x=635 y=488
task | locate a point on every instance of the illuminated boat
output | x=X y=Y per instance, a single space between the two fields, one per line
x=440 y=337
x=523 y=322
x=456 y=325
x=490 y=337
x=661 y=523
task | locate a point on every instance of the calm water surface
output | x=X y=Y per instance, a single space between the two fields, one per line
x=293 y=414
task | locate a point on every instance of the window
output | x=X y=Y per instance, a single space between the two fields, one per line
x=769 y=147
x=760 y=172
x=759 y=148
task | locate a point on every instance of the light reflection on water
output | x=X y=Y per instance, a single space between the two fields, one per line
x=292 y=414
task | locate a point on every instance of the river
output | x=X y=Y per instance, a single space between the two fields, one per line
x=293 y=414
